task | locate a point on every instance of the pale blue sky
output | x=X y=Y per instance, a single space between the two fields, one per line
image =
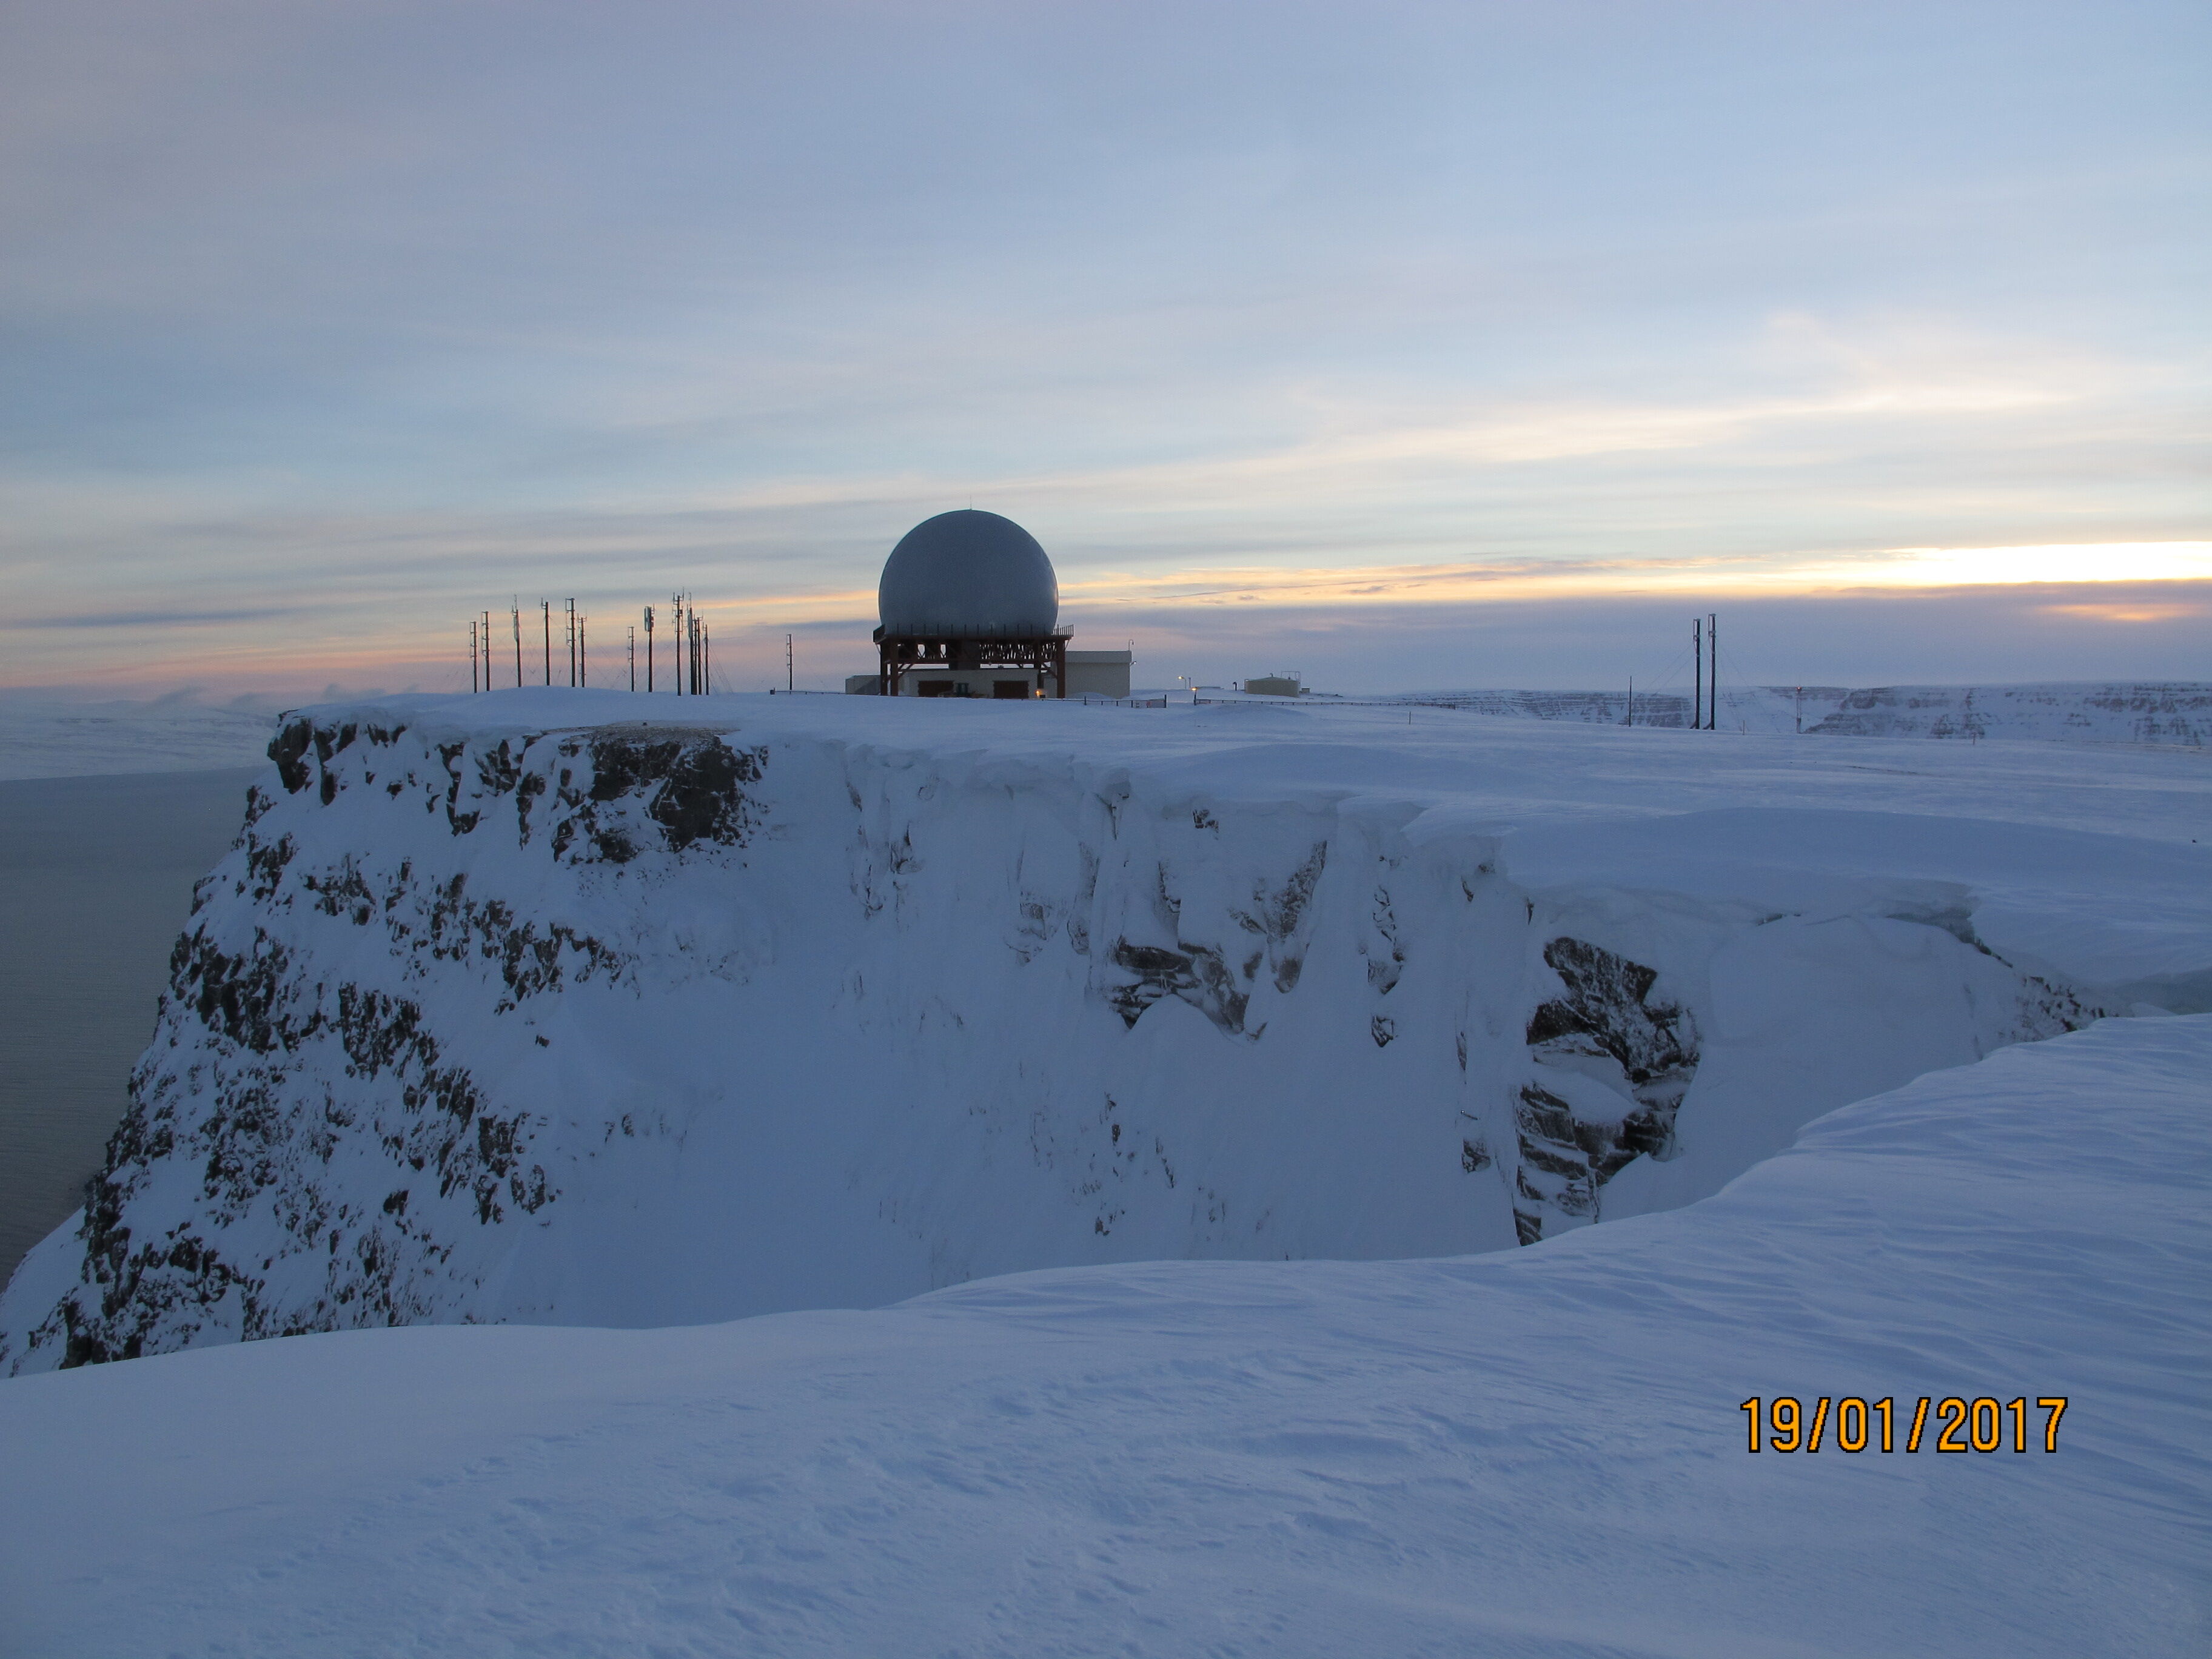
x=327 y=326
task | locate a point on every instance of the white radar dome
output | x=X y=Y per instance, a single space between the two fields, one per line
x=967 y=575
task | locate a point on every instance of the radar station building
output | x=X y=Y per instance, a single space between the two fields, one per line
x=970 y=607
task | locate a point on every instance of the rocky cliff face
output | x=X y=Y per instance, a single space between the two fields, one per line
x=647 y=1023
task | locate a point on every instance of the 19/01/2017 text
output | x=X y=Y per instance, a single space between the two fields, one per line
x=1962 y=1426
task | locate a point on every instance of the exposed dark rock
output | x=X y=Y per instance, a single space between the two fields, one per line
x=1605 y=1012
x=1196 y=974
x=1279 y=916
x=1604 y=1026
x=288 y=750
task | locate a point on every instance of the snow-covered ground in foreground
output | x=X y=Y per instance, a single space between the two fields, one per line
x=513 y=1008
x=1529 y=1453
x=48 y=736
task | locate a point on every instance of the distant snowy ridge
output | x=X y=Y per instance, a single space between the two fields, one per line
x=516 y=1008
x=52 y=736
x=1536 y=1453
x=2119 y=712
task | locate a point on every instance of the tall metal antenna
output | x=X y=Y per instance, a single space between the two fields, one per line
x=545 y=615
x=473 y=654
x=632 y=659
x=583 y=666
x=648 y=647
x=790 y=678
x=514 y=613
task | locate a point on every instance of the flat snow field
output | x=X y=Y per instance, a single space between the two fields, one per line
x=1533 y=1452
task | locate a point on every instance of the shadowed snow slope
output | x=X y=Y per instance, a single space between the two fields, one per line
x=519 y=1008
x=1527 y=1453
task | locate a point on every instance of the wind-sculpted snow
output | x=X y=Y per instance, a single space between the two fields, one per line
x=1533 y=1453
x=600 y=1021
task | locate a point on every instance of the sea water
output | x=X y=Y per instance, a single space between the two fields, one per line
x=96 y=881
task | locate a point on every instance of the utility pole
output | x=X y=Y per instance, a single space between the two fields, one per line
x=648 y=649
x=545 y=615
x=583 y=663
x=473 y=654
x=571 y=625
x=676 y=610
x=514 y=615
x=790 y=679
x=484 y=635
x=1698 y=674
x=1713 y=678
x=632 y=659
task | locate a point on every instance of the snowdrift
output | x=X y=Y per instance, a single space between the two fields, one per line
x=532 y=1007
x=1536 y=1453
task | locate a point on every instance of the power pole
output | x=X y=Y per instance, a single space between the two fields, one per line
x=1698 y=679
x=583 y=663
x=473 y=654
x=545 y=615
x=790 y=678
x=484 y=634
x=632 y=659
x=648 y=649
x=1713 y=679
x=514 y=615
x=676 y=610
x=571 y=639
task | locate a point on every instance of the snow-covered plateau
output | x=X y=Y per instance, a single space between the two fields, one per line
x=572 y=1009
x=2123 y=711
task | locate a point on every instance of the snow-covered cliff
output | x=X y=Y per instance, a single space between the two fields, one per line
x=522 y=1008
